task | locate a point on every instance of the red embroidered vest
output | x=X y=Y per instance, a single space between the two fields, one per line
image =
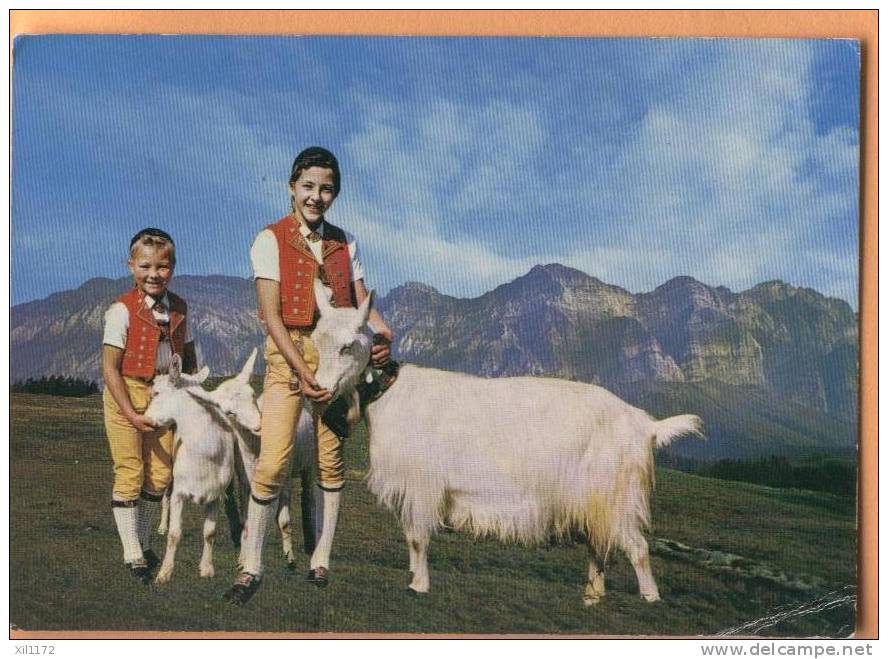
x=298 y=269
x=144 y=333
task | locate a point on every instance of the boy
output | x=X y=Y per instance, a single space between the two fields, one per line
x=287 y=256
x=143 y=329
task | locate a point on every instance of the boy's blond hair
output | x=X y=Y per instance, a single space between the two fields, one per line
x=155 y=238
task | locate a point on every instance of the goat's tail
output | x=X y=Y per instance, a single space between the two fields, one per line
x=677 y=426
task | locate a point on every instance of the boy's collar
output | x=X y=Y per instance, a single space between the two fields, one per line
x=150 y=301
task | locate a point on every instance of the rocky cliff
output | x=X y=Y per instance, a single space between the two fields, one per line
x=788 y=341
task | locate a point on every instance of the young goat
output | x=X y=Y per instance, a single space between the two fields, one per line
x=205 y=462
x=235 y=399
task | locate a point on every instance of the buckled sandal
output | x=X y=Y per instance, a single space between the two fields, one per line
x=245 y=586
x=151 y=559
x=318 y=576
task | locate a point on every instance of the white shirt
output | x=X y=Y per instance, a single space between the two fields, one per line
x=265 y=257
x=117 y=324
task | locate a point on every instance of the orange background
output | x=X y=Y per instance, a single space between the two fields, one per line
x=857 y=24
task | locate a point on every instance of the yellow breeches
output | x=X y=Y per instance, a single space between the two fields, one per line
x=281 y=407
x=142 y=461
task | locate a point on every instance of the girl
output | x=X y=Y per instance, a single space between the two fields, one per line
x=287 y=257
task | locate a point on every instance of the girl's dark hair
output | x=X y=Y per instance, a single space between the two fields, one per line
x=316 y=156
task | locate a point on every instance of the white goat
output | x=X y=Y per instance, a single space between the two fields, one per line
x=515 y=458
x=204 y=462
x=236 y=399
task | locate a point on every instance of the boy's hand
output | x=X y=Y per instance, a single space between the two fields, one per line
x=143 y=423
x=381 y=350
x=312 y=389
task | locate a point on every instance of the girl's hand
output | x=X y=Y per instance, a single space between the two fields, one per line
x=381 y=350
x=143 y=423
x=312 y=389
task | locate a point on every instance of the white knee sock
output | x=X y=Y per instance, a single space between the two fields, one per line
x=260 y=516
x=317 y=514
x=147 y=512
x=126 y=518
x=326 y=516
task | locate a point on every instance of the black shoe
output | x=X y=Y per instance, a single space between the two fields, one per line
x=139 y=569
x=318 y=576
x=245 y=586
x=151 y=559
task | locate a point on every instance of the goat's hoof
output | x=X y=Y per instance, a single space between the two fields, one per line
x=651 y=597
x=207 y=572
x=163 y=576
x=591 y=601
x=245 y=586
x=318 y=576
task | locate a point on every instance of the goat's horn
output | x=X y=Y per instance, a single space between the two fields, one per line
x=202 y=374
x=320 y=293
x=247 y=370
x=365 y=307
x=201 y=394
x=175 y=369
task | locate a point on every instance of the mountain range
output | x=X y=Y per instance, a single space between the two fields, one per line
x=770 y=369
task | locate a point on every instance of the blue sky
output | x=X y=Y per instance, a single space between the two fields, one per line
x=465 y=161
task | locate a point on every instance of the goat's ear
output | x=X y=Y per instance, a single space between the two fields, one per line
x=364 y=309
x=354 y=409
x=247 y=370
x=202 y=375
x=320 y=293
x=201 y=395
x=175 y=370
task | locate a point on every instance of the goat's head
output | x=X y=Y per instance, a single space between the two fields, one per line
x=343 y=347
x=235 y=397
x=165 y=406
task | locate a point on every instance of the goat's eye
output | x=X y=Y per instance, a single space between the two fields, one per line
x=345 y=350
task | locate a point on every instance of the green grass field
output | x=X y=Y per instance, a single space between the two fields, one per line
x=744 y=552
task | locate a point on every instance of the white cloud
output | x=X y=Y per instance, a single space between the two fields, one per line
x=724 y=178
x=165 y=150
x=717 y=170
x=731 y=177
x=419 y=167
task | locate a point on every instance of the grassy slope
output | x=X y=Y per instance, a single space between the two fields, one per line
x=744 y=422
x=65 y=568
